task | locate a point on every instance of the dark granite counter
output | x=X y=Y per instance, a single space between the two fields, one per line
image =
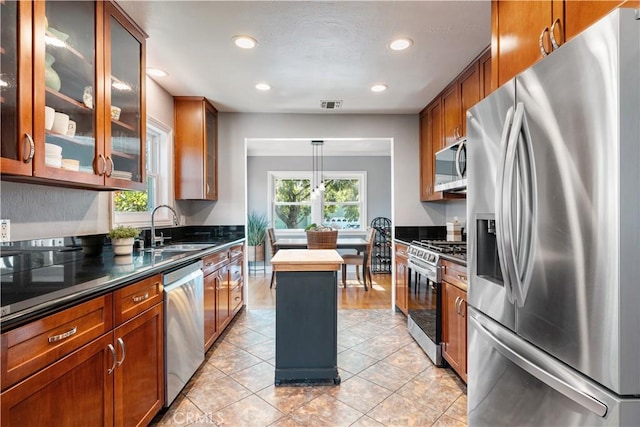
x=38 y=280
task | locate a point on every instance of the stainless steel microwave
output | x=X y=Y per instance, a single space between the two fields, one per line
x=451 y=168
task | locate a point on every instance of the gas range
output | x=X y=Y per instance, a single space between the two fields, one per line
x=424 y=256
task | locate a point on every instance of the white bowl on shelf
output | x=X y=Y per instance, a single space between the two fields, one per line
x=52 y=150
x=61 y=123
x=71 y=164
x=49 y=116
x=53 y=161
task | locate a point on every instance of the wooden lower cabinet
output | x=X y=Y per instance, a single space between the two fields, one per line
x=74 y=391
x=454 y=317
x=139 y=373
x=223 y=315
x=210 y=326
x=402 y=279
x=115 y=379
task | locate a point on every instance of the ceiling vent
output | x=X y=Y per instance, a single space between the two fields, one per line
x=331 y=105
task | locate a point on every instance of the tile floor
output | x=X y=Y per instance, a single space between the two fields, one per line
x=386 y=380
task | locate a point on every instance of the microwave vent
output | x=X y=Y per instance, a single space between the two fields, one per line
x=331 y=105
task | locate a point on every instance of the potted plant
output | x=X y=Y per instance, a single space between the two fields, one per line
x=256 y=231
x=122 y=238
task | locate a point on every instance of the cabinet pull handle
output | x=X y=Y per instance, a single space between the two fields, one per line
x=64 y=335
x=112 y=166
x=552 y=32
x=456 y=304
x=461 y=311
x=140 y=298
x=31 y=149
x=462 y=277
x=113 y=356
x=543 y=51
x=124 y=352
x=104 y=165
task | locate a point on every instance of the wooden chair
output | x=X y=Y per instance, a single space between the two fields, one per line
x=358 y=260
x=272 y=241
x=322 y=239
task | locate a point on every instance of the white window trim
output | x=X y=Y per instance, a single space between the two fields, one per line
x=164 y=187
x=361 y=175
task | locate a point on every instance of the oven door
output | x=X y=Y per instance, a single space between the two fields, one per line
x=451 y=168
x=424 y=322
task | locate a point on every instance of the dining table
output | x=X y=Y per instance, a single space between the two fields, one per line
x=358 y=243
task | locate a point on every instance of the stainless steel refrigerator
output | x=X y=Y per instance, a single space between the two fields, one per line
x=553 y=212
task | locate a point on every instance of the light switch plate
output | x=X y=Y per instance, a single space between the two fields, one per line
x=5 y=230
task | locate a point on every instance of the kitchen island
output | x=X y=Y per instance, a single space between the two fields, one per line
x=306 y=316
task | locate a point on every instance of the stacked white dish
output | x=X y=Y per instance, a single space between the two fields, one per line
x=122 y=175
x=71 y=164
x=53 y=155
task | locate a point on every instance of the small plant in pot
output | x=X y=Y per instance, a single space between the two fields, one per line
x=256 y=232
x=122 y=238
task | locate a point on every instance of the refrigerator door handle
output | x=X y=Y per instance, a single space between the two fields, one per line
x=501 y=244
x=518 y=173
x=560 y=379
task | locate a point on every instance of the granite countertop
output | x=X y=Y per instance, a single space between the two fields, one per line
x=38 y=281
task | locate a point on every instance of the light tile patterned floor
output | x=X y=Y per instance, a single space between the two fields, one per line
x=387 y=380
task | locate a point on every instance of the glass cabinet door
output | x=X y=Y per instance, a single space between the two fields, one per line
x=66 y=90
x=18 y=147
x=124 y=87
x=211 y=178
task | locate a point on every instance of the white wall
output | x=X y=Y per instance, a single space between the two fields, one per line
x=233 y=128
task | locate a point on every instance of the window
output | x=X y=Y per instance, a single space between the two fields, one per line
x=135 y=207
x=342 y=207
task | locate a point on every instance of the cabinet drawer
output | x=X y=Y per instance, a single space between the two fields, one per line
x=212 y=262
x=454 y=273
x=235 y=298
x=134 y=299
x=31 y=347
x=236 y=251
x=401 y=250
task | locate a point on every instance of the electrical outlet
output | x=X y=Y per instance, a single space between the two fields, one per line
x=5 y=230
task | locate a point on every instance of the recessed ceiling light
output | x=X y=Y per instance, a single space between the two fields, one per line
x=263 y=86
x=245 y=42
x=378 y=88
x=156 y=72
x=400 y=44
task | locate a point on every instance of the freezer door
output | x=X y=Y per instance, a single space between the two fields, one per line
x=488 y=126
x=512 y=383
x=578 y=297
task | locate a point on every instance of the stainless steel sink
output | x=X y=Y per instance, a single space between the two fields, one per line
x=183 y=247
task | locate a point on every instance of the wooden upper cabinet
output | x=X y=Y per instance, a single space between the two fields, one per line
x=522 y=32
x=452 y=122
x=469 y=83
x=56 y=113
x=580 y=14
x=430 y=142
x=196 y=149
x=516 y=30
x=484 y=64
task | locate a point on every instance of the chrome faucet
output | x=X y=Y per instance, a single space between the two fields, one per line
x=155 y=239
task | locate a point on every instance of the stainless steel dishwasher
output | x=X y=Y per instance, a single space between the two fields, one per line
x=183 y=327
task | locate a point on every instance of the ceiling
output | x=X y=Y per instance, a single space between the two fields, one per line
x=310 y=51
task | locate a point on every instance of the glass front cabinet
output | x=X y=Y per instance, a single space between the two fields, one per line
x=78 y=121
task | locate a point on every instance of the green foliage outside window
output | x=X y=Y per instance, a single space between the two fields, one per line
x=293 y=191
x=131 y=201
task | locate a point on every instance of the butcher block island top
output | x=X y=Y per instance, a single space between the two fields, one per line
x=306 y=260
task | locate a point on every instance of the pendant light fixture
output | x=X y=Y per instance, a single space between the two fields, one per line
x=317 y=180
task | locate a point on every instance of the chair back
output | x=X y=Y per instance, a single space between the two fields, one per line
x=322 y=239
x=272 y=240
x=371 y=237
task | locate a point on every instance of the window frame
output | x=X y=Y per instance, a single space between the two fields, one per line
x=164 y=180
x=317 y=206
